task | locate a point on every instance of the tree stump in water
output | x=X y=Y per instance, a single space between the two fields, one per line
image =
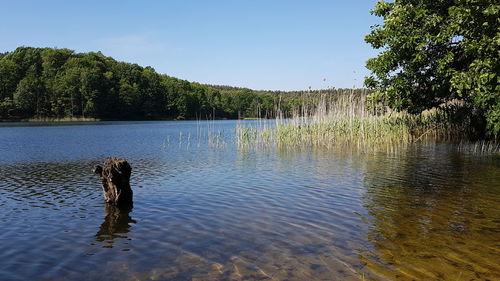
x=115 y=176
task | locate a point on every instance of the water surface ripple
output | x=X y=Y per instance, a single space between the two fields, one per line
x=205 y=212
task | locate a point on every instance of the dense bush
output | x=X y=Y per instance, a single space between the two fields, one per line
x=435 y=52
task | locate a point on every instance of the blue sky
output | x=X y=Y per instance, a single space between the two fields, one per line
x=260 y=44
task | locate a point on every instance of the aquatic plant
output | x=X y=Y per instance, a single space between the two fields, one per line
x=357 y=121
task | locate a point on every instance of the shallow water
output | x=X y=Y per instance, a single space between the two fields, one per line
x=205 y=209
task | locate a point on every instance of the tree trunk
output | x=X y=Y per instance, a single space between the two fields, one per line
x=115 y=176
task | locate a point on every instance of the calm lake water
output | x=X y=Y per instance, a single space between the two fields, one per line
x=205 y=209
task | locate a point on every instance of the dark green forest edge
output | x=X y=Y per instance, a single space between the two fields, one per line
x=60 y=83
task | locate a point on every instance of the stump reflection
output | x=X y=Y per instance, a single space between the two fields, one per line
x=116 y=224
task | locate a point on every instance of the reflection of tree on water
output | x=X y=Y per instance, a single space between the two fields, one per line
x=433 y=217
x=116 y=224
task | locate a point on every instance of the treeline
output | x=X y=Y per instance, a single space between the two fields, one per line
x=59 y=83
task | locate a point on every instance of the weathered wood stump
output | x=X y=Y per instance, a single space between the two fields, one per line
x=115 y=176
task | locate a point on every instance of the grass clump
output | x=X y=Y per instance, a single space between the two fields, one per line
x=354 y=120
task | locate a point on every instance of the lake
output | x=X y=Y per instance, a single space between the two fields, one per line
x=207 y=209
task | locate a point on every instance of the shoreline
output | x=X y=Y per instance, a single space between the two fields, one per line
x=63 y=120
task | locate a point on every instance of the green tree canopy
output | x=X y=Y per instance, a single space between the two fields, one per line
x=59 y=83
x=435 y=51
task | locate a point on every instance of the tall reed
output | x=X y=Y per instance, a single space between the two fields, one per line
x=354 y=120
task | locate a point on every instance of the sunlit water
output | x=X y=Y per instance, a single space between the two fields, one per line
x=205 y=209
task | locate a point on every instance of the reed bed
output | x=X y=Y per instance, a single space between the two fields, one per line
x=354 y=121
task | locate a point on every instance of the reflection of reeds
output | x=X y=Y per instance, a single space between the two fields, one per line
x=216 y=139
x=355 y=121
x=480 y=146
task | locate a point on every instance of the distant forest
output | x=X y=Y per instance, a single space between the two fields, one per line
x=59 y=83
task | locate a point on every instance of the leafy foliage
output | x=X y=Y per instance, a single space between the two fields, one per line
x=437 y=51
x=59 y=83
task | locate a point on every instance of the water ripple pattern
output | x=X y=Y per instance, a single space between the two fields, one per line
x=208 y=210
